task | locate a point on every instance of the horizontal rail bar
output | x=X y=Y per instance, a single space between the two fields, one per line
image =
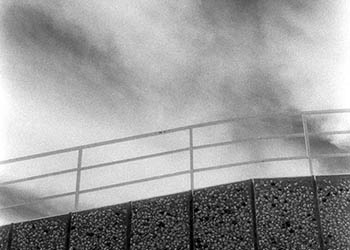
x=30 y=202
x=168 y=131
x=334 y=155
x=38 y=177
x=92 y=145
x=338 y=132
x=210 y=145
x=134 y=182
x=250 y=162
x=327 y=111
x=242 y=118
x=135 y=158
x=40 y=155
x=140 y=136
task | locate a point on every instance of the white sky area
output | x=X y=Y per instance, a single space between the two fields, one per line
x=84 y=71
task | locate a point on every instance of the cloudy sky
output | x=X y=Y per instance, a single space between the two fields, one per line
x=80 y=71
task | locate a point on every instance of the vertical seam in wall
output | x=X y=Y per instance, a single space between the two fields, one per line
x=317 y=213
x=128 y=227
x=255 y=230
x=191 y=217
x=10 y=237
x=68 y=231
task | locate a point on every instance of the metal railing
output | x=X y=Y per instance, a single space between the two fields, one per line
x=304 y=116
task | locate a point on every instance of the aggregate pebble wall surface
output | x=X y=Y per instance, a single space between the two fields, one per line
x=103 y=229
x=44 y=234
x=334 y=204
x=285 y=214
x=4 y=237
x=223 y=217
x=161 y=223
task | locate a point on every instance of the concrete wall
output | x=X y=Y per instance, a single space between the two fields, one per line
x=288 y=213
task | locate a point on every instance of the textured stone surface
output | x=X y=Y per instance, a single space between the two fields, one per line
x=4 y=237
x=285 y=214
x=223 y=217
x=44 y=234
x=161 y=223
x=102 y=229
x=334 y=204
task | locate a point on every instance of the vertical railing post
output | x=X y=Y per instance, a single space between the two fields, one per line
x=192 y=189
x=77 y=187
x=314 y=182
x=307 y=143
x=191 y=159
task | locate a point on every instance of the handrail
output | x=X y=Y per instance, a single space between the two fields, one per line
x=191 y=148
x=143 y=157
x=250 y=162
x=35 y=177
x=249 y=139
x=173 y=130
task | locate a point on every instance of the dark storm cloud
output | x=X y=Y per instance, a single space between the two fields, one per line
x=37 y=32
x=175 y=62
x=165 y=61
x=31 y=26
x=235 y=41
x=233 y=50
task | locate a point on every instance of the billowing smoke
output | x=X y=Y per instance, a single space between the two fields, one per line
x=127 y=62
x=29 y=211
x=83 y=71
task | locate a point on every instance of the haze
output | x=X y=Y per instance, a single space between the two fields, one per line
x=81 y=71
